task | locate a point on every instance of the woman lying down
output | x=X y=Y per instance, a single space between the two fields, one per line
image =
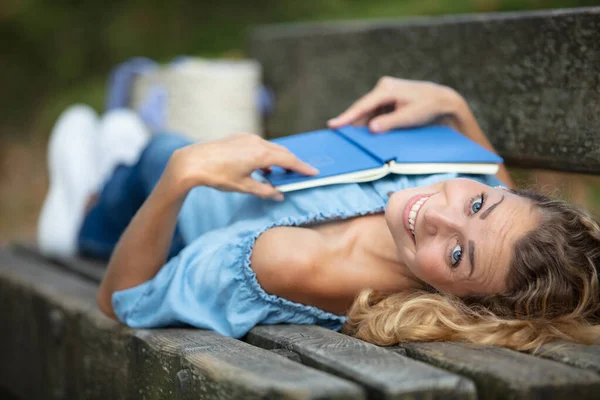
x=193 y=240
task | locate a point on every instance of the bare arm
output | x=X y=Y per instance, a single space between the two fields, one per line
x=143 y=247
x=225 y=165
x=463 y=120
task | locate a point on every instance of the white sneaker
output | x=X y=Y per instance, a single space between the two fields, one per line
x=122 y=137
x=73 y=177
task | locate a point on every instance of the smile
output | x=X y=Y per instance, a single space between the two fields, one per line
x=411 y=210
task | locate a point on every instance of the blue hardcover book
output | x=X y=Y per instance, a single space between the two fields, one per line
x=354 y=154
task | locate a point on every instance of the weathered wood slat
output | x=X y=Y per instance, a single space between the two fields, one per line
x=536 y=98
x=385 y=374
x=98 y=337
x=241 y=370
x=89 y=269
x=575 y=354
x=501 y=373
x=56 y=344
x=39 y=340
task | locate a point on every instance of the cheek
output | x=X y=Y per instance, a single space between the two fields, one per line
x=393 y=215
x=429 y=266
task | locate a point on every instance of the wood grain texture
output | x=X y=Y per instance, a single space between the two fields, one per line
x=227 y=367
x=501 y=373
x=575 y=354
x=531 y=78
x=383 y=373
x=39 y=340
x=56 y=344
x=92 y=270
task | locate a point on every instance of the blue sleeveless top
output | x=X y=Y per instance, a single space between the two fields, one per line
x=210 y=283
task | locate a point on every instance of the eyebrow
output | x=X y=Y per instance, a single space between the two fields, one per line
x=472 y=256
x=487 y=212
x=483 y=215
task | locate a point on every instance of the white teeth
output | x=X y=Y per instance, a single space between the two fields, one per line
x=413 y=213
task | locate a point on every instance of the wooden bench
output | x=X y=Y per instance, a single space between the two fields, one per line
x=534 y=82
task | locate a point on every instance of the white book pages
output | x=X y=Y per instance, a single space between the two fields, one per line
x=396 y=168
x=439 y=168
x=353 y=177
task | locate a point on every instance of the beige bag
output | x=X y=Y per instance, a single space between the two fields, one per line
x=206 y=99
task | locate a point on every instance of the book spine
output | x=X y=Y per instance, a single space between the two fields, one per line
x=365 y=150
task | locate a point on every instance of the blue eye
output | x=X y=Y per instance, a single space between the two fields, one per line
x=477 y=203
x=456 y=255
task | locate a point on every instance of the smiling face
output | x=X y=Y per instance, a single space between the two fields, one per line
x=457 y=235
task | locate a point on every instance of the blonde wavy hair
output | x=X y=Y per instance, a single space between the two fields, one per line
x=553 y=293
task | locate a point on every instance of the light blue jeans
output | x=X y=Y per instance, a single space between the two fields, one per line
x=123 y=195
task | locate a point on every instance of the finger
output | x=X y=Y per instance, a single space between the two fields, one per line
x=365 y=119
x=291 y=162
x=362 y=121
x=282 y=152
x=262 y=190
x=414 y=114
x=362 y=107
x=278 y=147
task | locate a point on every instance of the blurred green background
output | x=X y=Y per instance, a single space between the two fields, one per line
x=58 y=52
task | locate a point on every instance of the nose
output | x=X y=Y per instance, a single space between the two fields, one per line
x=439 y=221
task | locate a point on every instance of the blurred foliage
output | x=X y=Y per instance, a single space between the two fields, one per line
x=56 y=52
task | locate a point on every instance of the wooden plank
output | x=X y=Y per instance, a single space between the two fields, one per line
x=237 y=364
x=537 y=99
x=287 y=354
x=500 y=373
x=384 y=373
x=87 y=268
x=55 y=343
x=100 y=336
x=575 y=354
x=39 y=336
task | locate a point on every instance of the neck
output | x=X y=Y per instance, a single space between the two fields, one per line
x=372 y=241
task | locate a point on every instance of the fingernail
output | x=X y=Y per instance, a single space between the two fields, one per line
x=278 y=197
x=314 y=170
x=375 y=127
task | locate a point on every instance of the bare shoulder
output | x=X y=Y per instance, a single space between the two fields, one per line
x=283 y=259
x=301 y=264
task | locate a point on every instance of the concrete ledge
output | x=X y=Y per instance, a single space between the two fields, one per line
x=531 y=78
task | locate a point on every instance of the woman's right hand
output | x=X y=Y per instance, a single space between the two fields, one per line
x=226 y=164
x=400 y=103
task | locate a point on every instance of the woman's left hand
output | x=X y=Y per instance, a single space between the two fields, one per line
x=400 y=103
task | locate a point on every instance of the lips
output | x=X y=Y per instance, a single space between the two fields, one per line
x=406 y=212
